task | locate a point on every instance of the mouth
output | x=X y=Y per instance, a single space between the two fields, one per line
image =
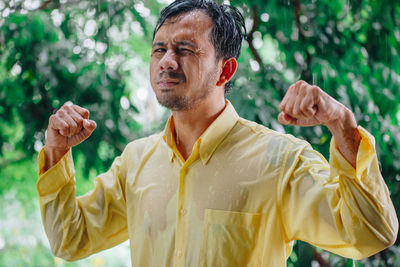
x=166 y=84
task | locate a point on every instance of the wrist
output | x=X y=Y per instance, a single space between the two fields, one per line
x=53 y=155
x=344 y=123
x=344 y=130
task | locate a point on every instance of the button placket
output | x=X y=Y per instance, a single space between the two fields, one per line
x=181 y=236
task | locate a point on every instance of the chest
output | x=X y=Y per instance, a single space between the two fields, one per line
x=226 y=182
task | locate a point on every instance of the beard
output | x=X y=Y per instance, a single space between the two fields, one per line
x=182 y=102
x=174 y=102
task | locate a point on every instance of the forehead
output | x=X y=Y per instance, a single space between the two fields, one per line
x=192 y=25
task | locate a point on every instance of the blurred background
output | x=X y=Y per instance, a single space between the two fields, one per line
x=96 y=54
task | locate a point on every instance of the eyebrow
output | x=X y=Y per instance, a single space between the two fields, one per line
x=187 y=43
x=183 y=43
x=158 y=44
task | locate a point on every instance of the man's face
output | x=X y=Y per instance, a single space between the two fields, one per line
x=183 y=65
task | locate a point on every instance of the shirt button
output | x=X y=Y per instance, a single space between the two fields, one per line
x=179 y=253
x=183 y=212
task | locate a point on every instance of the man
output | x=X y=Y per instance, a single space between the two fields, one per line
x=214 y=189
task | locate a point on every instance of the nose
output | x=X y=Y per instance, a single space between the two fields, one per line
x=169 y=61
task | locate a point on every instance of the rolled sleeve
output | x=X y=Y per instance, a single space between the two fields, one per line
x=80 y=226
x=337 y=207
x=365 y=155
x=51 y=181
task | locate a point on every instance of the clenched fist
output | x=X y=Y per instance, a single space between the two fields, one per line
x=68 y=127
x=308 y=105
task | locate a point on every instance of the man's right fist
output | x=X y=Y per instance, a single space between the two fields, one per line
x=68 y=127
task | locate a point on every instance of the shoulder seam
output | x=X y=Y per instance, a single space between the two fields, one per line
x=268 y=131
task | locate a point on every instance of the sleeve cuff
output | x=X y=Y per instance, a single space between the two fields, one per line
x=365 y=154
x=57 y=176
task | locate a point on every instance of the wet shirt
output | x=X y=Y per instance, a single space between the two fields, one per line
x=241 y=199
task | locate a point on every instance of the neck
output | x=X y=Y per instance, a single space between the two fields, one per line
x=190 y=124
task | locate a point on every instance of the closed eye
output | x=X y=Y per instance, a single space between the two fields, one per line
x=159 y=50
x=184 y=51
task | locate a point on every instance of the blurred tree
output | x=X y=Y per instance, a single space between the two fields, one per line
x=93 y=52
x=351 y=50
x=69 y=52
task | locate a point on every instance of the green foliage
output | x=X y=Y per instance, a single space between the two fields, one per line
x=351 y=50
x=94 y=53
x=52 y=56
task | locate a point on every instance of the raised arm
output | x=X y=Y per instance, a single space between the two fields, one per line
x=78 y=226
x=308 y=105
x=344 y=206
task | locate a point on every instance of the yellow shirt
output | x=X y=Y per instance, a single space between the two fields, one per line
x=241 y=198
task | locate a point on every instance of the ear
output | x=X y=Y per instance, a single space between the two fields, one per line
x=229 y=67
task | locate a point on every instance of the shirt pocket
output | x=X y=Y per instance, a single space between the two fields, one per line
x=229 y=238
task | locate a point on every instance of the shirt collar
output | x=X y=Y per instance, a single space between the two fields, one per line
x=169 y=138
x=211 y=137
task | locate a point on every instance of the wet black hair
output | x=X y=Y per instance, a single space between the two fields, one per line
x=227 y=33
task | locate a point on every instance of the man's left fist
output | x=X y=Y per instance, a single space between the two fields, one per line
x=308 y=105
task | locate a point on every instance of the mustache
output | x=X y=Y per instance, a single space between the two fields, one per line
x=171 y=75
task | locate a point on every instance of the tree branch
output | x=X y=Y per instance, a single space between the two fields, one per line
x=44 y=4
x=297 y=9
x=318 y=257
x=250 y=37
